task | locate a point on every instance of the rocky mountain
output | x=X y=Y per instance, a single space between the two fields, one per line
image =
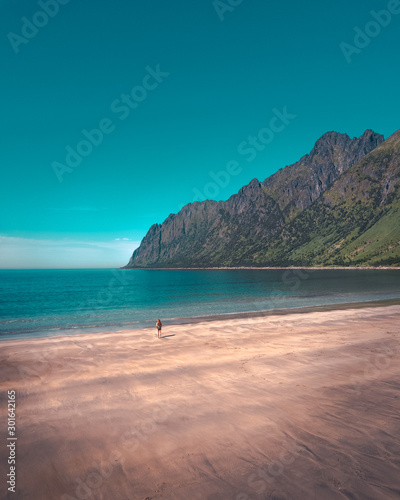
x=257 y=226
x=299 y=185
x=354 y=222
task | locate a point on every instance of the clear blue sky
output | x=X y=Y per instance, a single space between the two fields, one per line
x=211 y=84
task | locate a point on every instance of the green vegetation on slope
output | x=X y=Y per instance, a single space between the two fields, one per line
x=355 y=222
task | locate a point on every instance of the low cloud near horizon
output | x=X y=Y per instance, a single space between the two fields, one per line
x=30 y=253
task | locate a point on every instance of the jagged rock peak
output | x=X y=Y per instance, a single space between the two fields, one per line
x=335 y=140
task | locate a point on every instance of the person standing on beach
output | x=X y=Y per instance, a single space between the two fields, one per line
x=159 y=326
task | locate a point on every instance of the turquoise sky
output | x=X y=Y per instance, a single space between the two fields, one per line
x=199 y=79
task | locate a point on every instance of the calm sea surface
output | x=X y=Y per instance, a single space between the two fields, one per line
x=51 y=302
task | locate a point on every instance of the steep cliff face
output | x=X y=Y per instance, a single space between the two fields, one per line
x=238 y=231
x=297 y=186
x=177 y=236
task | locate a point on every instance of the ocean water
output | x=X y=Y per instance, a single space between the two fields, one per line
x=50 y=302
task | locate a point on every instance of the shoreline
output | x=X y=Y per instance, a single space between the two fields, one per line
x=96 y=331
x=305 y=268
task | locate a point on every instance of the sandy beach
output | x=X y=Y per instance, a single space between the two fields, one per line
x=296 y=406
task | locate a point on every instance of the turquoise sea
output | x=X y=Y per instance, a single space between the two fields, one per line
x=51 y=302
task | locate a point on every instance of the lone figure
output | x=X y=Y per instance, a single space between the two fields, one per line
x=159 y=326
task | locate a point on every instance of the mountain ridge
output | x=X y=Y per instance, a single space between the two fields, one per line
x=237 y=231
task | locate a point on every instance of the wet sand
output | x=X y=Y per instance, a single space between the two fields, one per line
x=295 y=406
